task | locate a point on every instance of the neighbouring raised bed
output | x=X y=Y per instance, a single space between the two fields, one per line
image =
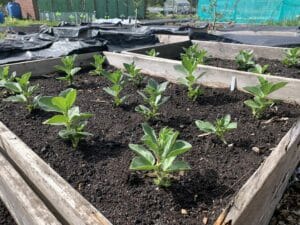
x=222 y=55
x=99 y=169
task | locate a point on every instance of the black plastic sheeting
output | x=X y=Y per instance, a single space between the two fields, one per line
x=264 y=40
x=57 y=49
x=67 y=40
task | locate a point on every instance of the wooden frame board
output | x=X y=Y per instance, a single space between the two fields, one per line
x=168 y=39
x=215 y=49
x=229 y=50
x=46 y=66
x=25 y=206
x=67 y=204
x=213 y=77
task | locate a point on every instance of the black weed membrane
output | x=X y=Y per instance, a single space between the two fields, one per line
x=251 y=35
x=66 y=40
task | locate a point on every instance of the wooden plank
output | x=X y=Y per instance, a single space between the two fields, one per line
x=260 y=33
x=214 y=77
x=165 y=50
x=46 y=66
x=68 y=204
x=230 y=50
x=24 y=205
x=168 y=39
x=215 y=49
x=257 y=199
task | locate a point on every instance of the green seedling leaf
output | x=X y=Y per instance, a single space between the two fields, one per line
x=69 y=115
x=68 y=68
x=220 y=127
x=118 y=85
x=260 y=102
x=153 y=98
x=22 y=90
x=99 y=60
x=245 y=60
x=159 y=153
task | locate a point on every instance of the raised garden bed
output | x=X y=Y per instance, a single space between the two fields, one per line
x=25 y=206
x=214 y=76
x=223 y=55
x=99 y=168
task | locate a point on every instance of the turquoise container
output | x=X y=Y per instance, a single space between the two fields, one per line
x=14 y=10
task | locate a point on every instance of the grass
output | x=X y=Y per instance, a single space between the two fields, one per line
x=155 y=16
x=2 y=35
x=25 y=23
x=287 y=23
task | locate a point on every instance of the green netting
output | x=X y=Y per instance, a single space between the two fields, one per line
x=111 y=8
x=252 y=11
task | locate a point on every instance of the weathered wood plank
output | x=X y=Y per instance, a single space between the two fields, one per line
x=257 y=199
x=260 y=33
x=215 y=49
x=213 y=77
x=46 y=66
x=230 y=50
x=24 y=205
x=53 y=189
x=168 y=51
x=168 y=39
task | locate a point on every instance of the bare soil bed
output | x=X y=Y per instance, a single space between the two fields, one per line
x=288 y=210
x=5 y=217
x=99 y=168
x=276 y=67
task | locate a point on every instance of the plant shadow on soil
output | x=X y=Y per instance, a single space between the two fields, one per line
x=202 y=188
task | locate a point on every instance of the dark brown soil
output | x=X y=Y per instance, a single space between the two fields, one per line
x=5 y=217
x=99 y=168
x=276 y=67
x=288 y=210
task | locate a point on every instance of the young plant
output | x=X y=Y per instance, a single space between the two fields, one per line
x=152 y=53
x=219 y=128
x=68 y=68
x=98 y=65
x=69 y=116
x=136 y=5
x=153 y=97
x=245 y=59
x=23 y=91
x=292 y=57
x=189 y=66
x=5 y=76
x=260 y=102
x=194 y=53
x=259 y=69
x=215 y=15
x=118 y=85
x=133 y=73
x=158 y=154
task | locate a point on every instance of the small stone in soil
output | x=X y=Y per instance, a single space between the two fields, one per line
x=184 y=212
